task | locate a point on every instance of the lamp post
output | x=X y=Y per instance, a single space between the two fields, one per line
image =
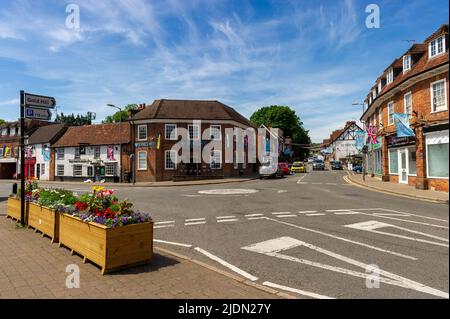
x=120 y=132
x=364 y=147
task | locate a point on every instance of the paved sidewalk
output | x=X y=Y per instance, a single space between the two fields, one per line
x=32 y=267
x=146 y=184
x=399 y=189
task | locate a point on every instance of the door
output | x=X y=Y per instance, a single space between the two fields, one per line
x=38 y=171
x=403 y=167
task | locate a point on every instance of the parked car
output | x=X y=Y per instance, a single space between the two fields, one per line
x=285 y=168
x=318 y=165
x=357 y=168
x=336 y=165
x=268 y=169
x=298 y=167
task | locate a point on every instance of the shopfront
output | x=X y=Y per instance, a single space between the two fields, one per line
x=402 y=159
x=437 y=159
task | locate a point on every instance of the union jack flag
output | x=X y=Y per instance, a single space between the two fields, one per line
x=372 y=134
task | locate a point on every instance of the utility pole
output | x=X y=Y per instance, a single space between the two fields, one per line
x=22 y=158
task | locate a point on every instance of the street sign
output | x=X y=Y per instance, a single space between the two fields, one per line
x=47 y=102
x=37 y=113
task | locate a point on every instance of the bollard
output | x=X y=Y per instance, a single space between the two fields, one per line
x=14 y=188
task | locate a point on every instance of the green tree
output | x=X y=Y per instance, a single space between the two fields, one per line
x=73 y=120
x=285 y=118
x=2 y=121
x=121 y=116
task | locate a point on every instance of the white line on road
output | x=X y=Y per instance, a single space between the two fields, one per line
x=227 y=220
x=405 y=220
x=166 y=222
x=280 y=213
x=283 y=216
x=228 y=265
x=346 y=213
x=331 y=183
x=344 y=239
x=316 y=183
x=298 y=291
x=256 y=218
x=307 y=211
x=319 y=214
x=253 y=215
x=195 y=219
x=172 y=243
x=194 y=223
x=300 y=179
x=395 y=211
x=163 y=226
x=222 y=217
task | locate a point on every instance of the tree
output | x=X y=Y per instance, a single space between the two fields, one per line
x=73 y=120
x=121 y=116
x=2 y=121
x=285 y=118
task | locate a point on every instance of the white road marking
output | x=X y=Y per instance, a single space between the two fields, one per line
x=190 y=195
x=316 y=183
x=319 y=214
x=172 y=243
x=298 y=291
x=344 y=239
x=227 y=220
x=346 y=213
x=273 y=248
x=195 y=219
x=256 y=218
x=222 y=217
x=307 y=211
x=166 y=222
x=406 y=220
x=300 y=179
x=426 y=217
x=283 y=216
x=253 y=215
x=280 y=213
x=351 y=209
x=331 y=183
x=226 y=264
x=194 y=223
x=282 y=191
x=237 y=191
x=372 y=226
x=164 y=226
x=302 y=183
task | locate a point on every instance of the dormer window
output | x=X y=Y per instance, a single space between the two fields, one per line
x=436 y=47
x=379 y=87
x=374 y=94
x=390 y=76
x=406 y=63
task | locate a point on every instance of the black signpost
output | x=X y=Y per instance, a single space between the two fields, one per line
x=37 y=107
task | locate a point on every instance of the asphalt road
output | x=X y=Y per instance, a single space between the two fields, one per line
x=311 y=234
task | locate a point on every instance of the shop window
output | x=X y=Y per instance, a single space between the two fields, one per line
x=412 y=161
x=60 y=170
x=437 y=160
x=77 y=170
x=110 y=169
x=393 y=162
x=142 y=160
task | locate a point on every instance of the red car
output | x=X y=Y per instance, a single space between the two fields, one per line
x=284 y=168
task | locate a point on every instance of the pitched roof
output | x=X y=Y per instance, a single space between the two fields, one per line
x=47 y=134
x=97 y=134
x=191 y=110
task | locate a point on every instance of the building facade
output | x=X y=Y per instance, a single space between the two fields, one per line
x=415 y=84
x=156 y=129
x=92 y=152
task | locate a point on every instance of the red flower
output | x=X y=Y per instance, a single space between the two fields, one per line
x=80 y=206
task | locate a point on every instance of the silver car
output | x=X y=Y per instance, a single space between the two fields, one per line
x=319 y=164
x=270 y=170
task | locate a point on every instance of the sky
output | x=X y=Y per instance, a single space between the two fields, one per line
x=317 y=57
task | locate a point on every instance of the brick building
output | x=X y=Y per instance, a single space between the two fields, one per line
x=417 y=84
x=155 y=132
x=95 y=152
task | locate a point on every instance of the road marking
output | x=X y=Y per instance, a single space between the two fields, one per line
x=426 y=217
x=256 y=218
x=282 y=216
x=307 y=211
x=372 y=226
x=344 y=239
x=319 y=214
x=316 y=183
x=237 y=191
x=222 y=217
x=190 y=195
x=302 y=183
x=282 y=191
x=298 y=291
x=351 y=209
x=253 y=215
x=280 y=213
x=346 y=213
x=194 y=223
x=406 y=220
x=300 y=179
x=331 y=183
x=227 y=220
x=273 y=248
x=166 y=222
x=164 y=226
x=195 y=219
x=226 y=264
x=172 y=243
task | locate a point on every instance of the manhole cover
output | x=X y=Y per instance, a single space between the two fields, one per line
x=238 y=191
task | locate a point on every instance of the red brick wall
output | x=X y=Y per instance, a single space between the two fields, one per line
x=438 y=184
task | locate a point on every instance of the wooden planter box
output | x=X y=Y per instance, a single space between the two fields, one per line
x=13 y=210
x=110 y=248
x=44 y=220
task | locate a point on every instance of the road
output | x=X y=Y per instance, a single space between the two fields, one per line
x=312 y=234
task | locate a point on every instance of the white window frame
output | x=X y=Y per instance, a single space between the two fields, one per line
x=404 y=103
x=374 y=94
x=139 y=168
x=380 y=117
x=389 y=162
x=114 y=165
x=407 y=63
x=198 y=132
x=73 y=170
x=390 y=76
x=60 y=152
x=139 y=132
x=435 y=44
x=58 y=171
x=170 y=138
x=212 y=156
x=379 y=87
x=174 y=161
x=426 y=158
x=408 y=151
x=442 y=109
x=389 y=105
x=99 y=148
x=42 y=169
x=219 y=127
x=75 y=156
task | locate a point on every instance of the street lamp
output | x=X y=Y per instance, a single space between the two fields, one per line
x=120 y=132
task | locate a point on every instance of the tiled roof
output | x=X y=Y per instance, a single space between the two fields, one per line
x=47 y=134
x=191 y=110
x=97 y=134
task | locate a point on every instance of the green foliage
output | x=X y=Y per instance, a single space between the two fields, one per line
x=121 y=116
x=2 y=121
x=73 y=120
x=285 y=118
x=51 y=197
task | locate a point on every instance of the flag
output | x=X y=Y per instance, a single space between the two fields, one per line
x=7 y=149
x=360 y=139
x=158 y=142
x=401 y=121
x=372 y=134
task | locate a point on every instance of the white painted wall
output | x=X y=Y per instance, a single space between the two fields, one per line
x=344 y=148
x=37 y=152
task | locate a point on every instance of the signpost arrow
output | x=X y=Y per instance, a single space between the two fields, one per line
x=47 y=102
x=37 y=113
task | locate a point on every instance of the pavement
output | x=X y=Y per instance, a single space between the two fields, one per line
x=398 y=189
x=32 y=267
x=313 y=235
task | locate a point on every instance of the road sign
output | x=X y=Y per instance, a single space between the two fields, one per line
x=40 y=101
x=37 y=113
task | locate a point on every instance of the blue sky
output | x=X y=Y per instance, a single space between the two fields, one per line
x=315 y=56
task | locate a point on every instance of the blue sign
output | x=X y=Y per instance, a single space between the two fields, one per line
x=360 y=139
x=402 y=125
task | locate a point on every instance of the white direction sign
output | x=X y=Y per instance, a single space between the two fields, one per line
x=40 y=101
x=38 y=113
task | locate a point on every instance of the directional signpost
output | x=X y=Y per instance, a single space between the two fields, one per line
x=32 y=107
